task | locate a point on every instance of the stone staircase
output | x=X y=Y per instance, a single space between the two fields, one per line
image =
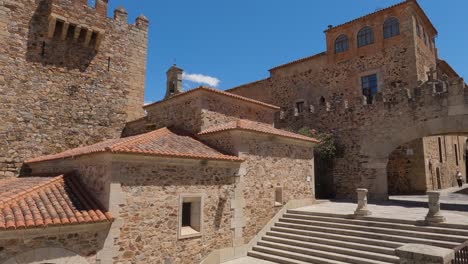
x=311 y=237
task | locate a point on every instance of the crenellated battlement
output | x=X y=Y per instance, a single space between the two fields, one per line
x=74 y=66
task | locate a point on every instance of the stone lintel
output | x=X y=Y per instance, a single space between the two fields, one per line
x=424 y=254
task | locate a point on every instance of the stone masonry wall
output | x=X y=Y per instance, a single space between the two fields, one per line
x=406 y=170
x=150 y=230
x=269 y=163
x=197 y=111
x=449 y=165
x=333 y=102
x=57 y=94
x=85 y=244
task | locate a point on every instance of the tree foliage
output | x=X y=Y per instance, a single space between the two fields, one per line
x=326 y=149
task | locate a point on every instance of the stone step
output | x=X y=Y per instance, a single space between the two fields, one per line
x=370 y=246
x=297 y=234
x=285 y=260
x=301 y=230
x=303 y=247
x=462 y=227
x=311 y=255
x=411 y=227
x=378 y=230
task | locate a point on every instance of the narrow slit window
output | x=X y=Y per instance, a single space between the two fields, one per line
x=71 y=31
x=279 y=196
x=456 y=153
x=300 y=107
x=440 y=150
x=58 y=29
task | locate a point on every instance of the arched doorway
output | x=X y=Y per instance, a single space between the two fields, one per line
x=48 y=256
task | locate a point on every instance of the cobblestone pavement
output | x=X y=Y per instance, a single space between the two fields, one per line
x=455 y=195
x=389 y=210
x=248 y=260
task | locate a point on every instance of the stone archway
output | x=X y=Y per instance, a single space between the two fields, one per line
x=376 y=151
x=47 y=256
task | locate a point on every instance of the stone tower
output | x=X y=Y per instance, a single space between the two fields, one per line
x=174 y=81
x=69 y=76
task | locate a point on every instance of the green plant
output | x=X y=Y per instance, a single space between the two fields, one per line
x=326 y=149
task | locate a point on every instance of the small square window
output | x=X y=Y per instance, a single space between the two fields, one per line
x=190 y=219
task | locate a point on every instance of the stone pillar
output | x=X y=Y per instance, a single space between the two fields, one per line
x=362 y=203
x=434 y=215
x=424 y=254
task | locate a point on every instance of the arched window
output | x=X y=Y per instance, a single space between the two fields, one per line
x=391 y=28
x=341 y=44
x=365 y=36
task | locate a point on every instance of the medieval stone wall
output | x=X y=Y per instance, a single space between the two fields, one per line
x=406 y=169
x=333 y=102
x=452 y=148
x=60 y=87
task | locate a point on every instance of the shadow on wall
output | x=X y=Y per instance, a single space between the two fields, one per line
x=69 y=53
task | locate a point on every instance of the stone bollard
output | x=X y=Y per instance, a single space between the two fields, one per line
x=424 y=254
x=434 y=215
x=362 y=203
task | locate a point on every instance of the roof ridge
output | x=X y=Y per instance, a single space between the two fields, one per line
x=132 y=140
x=35 y=189
x=221 y=92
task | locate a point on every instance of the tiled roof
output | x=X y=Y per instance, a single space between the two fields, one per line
x=255 y=127
x=161 y=142
x=300 y=60
x=38 y=202
x=211 y=90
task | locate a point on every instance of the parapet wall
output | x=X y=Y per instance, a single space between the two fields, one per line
x=69 y=76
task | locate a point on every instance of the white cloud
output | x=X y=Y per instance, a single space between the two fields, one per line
x=201 y=79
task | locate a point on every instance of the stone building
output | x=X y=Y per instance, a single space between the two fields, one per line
x=379 y=85
x=69 y=76
x=195 y=180
x=429 y=163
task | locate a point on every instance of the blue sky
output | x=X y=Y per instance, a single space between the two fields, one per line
x=236 y=42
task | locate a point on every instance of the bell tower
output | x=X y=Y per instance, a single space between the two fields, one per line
x=174 y=81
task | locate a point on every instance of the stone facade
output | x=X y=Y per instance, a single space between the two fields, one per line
x=24 y=246
x=421 y=165
x=200 y=109
x=69 y=76
x=410 y=103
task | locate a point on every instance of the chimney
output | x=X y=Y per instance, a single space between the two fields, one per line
x=174 y=81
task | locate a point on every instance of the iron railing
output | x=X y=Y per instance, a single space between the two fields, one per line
x=461 y=254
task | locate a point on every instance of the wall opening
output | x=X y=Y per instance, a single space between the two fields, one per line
x=420 y=165
x=279 y=196
x=71 y=31
x=58 y=28
x=190 y=219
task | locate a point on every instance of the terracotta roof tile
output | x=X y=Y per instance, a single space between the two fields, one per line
x=38 y=202
x=256 y=127
x=211 y=90
x=161 y=142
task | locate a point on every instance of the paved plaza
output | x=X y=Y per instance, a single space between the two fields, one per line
x=451 y=196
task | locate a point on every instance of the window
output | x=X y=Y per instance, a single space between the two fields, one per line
x=369 y=87
x=190 y=219
x=365 y=37
x=300 y=107
x=279 y=196
x=391 y=28
x=418 y=29
x=440 y=150
x=341 y=44
x=456 y=153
